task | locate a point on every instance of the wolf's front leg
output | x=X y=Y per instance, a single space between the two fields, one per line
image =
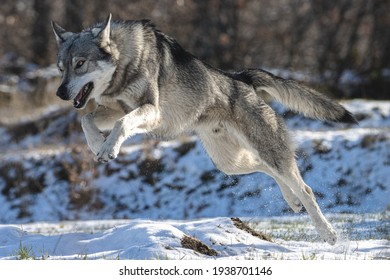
x=141 y=120
x=103 y=118
x=94 y=136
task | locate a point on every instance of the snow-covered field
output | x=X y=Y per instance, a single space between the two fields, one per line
x=162 y=240
x=158 y=198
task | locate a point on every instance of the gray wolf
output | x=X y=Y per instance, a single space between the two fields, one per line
x=143 y=81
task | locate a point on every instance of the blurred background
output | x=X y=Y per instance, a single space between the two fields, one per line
x=343 y=46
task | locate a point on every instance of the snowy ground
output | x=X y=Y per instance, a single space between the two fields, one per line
x=56 y=203
x=148 y=239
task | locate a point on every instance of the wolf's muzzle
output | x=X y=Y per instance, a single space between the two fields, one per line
x=62 y=92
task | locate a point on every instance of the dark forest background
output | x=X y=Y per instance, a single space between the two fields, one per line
x=343 y=46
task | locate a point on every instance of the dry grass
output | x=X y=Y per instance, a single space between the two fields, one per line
x=243 y=226
x=196 y=245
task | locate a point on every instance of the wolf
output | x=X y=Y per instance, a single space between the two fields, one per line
x=143 y=81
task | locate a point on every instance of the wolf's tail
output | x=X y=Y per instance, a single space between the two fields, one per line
x=297 y=97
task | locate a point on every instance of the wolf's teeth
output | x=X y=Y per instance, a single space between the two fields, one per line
x=86 y=88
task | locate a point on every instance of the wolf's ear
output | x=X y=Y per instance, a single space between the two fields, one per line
x=60 y=33
x=103 y=36
x=104 y=33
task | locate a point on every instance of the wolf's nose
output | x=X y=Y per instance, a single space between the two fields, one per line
x=62 y=92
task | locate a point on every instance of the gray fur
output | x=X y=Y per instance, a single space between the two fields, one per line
x=298 y=97
x=144 y=82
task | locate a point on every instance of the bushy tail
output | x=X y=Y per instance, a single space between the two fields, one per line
x=298 y=97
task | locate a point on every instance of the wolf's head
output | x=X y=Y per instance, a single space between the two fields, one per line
x=86 y=60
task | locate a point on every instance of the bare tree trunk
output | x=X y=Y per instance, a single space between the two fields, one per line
x=378 y=52
x=346 y=61
x=100 y=9
x=330 y=30
x=39 y=32
x=74 y=15
x=204 y=23
x=216 y=40
x=228 y=29
x=297 y=31
x=381 y=36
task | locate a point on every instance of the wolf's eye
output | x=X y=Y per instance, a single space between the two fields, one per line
x=80 y=63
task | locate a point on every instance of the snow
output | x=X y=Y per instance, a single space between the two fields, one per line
x=57 y=203
x=147 y=239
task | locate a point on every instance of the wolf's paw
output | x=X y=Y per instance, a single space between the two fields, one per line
x=329 y=235
x=95 y=144
x=107 y=152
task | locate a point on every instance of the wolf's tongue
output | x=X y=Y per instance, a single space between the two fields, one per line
x=79 y=96
x=76 y=100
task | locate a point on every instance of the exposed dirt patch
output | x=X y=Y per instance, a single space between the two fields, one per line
x=58 y=124
x=196 y=245
x=369 y=140
x=243 y=226
x=184 y=148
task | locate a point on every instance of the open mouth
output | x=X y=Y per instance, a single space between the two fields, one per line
x=81 y=98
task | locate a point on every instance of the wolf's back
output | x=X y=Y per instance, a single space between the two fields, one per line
x=298 y=97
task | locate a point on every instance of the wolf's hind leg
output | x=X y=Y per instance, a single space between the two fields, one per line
x=292 y=178
x=277 y=154
x=290 y=197
x=233 y=154
x=297 y=193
